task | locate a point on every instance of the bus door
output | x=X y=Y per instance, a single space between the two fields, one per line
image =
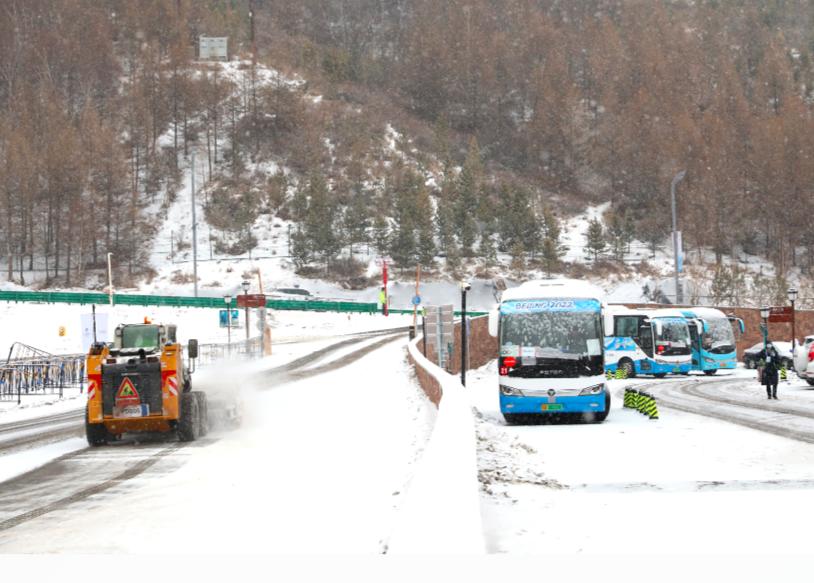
x=646 y=338
x=695 y=338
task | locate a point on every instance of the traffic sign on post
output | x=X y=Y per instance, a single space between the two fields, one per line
x=251 y=301
x=416 y=300
x=780 y=314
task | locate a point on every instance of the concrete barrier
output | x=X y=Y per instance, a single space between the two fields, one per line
x=441 y=511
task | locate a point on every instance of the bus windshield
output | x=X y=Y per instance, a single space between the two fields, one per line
x=719 y=339
x=546 y=335
x=672 y=337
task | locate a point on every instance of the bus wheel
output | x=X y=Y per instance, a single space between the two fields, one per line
x=627 y=365
x=660 y=375
x=709 y=373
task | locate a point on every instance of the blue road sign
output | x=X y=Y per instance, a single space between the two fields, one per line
x=235 y=318
x=416 y=300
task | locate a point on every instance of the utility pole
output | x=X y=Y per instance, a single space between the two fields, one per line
x=110 y=278
x=679 y=297
x=194 y=231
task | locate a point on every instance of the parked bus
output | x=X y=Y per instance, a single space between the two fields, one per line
x=713 y=340
x=551 y=353
x=653 y=342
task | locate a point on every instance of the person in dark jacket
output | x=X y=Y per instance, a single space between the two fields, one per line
x=770 y=374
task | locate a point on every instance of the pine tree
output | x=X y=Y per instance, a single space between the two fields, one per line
x=301 y=252
x=320 y=224
x=381 y=234
x=518 y=254
x=468 y=196
x=424 y=226
x=551 y=249
x=445 y=223
x=356 y=221
x=595 y=240
x=619 y=234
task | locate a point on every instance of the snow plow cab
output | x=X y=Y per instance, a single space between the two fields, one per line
x=140 y=383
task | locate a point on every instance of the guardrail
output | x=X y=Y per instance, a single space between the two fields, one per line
x=192 y=302
x=41 y=376
x=180 y=301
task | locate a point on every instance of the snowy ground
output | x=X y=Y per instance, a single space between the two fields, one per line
x=683 y=484
x=318 y=466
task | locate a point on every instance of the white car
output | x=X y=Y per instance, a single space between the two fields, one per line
x=804 y=360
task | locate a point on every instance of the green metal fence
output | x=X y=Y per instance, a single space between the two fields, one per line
x=179 y=301
x=192 y=302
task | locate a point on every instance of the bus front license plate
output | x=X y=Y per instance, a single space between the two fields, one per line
x=556 y=407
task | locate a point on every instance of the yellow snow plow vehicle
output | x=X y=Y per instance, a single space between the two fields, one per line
x=140 y=383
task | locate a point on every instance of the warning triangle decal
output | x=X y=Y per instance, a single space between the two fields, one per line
x=127 y=390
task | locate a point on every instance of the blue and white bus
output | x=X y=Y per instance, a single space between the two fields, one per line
x=713 y=340
x=652 y=342
x=551 y=353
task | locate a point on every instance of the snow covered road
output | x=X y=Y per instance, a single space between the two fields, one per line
x=319 y=466
x=683 y=484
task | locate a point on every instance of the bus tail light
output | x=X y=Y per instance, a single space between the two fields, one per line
x=509 y=361
x=811 y=353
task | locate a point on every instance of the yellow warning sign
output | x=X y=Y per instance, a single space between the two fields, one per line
x=127 y=391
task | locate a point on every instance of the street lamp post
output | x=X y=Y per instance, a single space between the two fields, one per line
x=792 y=295
x=676 y=179
x=245 y=286
x=465 y=287
x=228 y=300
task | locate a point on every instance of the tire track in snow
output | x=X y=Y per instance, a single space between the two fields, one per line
x=690 y=397
x=31 y=481
x=128 y=473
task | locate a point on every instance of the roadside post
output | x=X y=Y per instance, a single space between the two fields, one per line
x=465 y=287
x=228 y=300
x=765 y=311
x=439 y=327
x=252 y=301
x=792 y=295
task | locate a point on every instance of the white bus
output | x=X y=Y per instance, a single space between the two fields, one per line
x=551 y=359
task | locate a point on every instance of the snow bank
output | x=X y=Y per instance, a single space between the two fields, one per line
x=441 y=512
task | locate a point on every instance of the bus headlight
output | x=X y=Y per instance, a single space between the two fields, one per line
x=510 y=391
x=594 y=390
x=709 y=360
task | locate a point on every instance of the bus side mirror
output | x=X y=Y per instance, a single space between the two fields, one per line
x=706 y=327
x=494 y=315
x=192 y=349
x=741 y=326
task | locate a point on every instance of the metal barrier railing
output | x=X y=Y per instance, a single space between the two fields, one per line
x=47 y=374
x=241 y=350
x=41 y=376
x=180 y=301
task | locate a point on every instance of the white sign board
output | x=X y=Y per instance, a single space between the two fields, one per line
x=87 y=329
x=213 y=47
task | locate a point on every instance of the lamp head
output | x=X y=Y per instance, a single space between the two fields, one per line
x=792 y=293
x=227 y=300
x=764 y=312
x=245 y=286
